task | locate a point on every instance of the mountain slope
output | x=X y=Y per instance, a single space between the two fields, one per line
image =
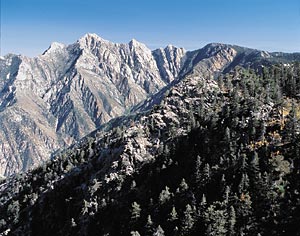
x=212 y=157
x=51 y=101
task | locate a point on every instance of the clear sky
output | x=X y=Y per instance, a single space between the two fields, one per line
x=29 y=26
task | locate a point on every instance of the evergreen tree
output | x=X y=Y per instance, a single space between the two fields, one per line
x=253 y=167
x=183 y=186
x=187 y=221
x=226 y=194
x=243 y=166
x=291 y=128
x=232 y=221
x=203 y=203
x=244 y=212
x=198 y=170
x=173 y=221
x=244 y=184
x=135 y=211
x=173 y=215
x=216 y=220
x=134 y=233
x=159 y=231
x=13 y=211
x=205 y=174
x=165 y=195
x=149 y=228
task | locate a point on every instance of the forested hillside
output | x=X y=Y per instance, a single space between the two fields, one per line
x=216 y=156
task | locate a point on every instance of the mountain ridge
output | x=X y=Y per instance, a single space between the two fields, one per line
x=72 y=89
x=51 y=101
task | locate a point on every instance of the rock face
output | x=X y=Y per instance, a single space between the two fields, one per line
x=51 y=101
x=169 y=61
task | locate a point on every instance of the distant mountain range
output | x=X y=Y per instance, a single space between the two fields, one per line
x=51 y=101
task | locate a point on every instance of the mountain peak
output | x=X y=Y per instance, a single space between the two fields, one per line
x=170 y=46
x=89 y=40
x=135 y=43
x=54 y=47
x=215 y=45
x=92 y=36
x=57 y=45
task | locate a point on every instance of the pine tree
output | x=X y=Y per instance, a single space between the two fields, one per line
x=232 y=221
x=243 y=164
x=183 y=186
x=244 y=184
x=13 y=211
x=205 y=174
x=165 y=195
x=173 y=215
x=187 y=221
x=159 y=231
x=203 y=203
x=227 y=135
x=173 y=221
x=291 y=128
x=197 y=173
x=134 y=233
x=216 y=219
x=244 y=211
x=149 y=228
x=135 y=211
x=253 y=167
x=226 y=194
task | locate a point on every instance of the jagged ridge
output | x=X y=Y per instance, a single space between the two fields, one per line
x=51 y=101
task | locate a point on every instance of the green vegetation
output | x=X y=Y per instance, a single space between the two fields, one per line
x=234 y=171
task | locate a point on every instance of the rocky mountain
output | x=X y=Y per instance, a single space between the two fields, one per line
x=202 y=156
x=50 y=101
x=53 y=100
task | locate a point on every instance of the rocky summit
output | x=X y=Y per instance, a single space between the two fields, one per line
x=50 y=101
x=53 y=100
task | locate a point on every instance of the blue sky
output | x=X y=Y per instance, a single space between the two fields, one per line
x=29 y=26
